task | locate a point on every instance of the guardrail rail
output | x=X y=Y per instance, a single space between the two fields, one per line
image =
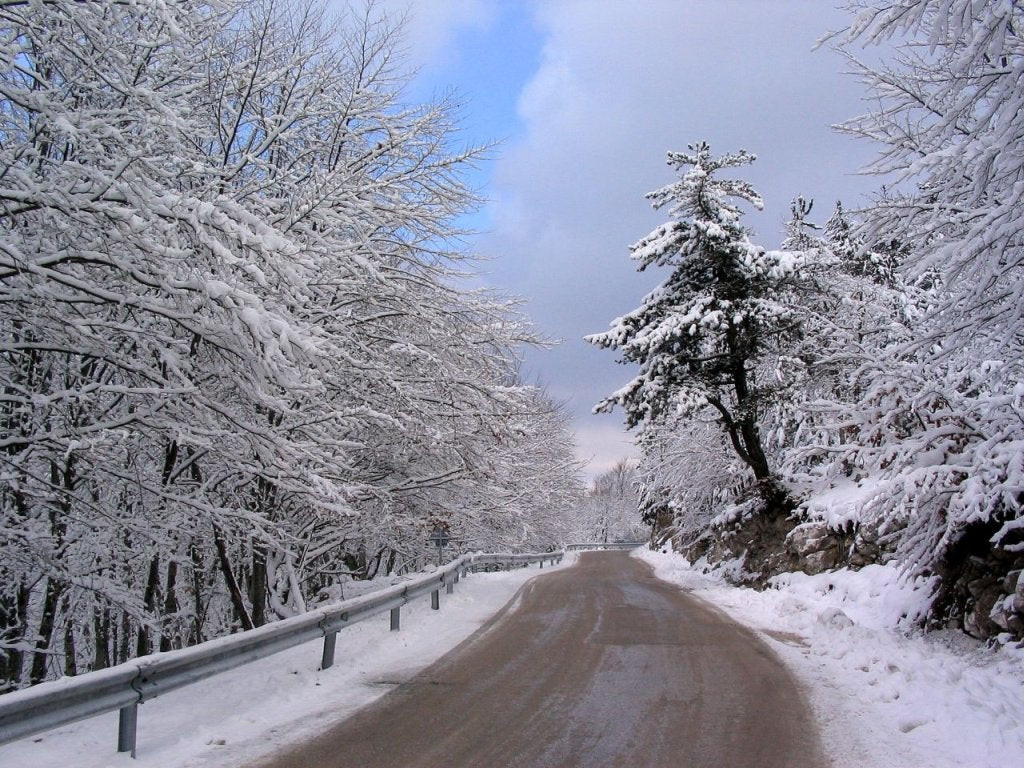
x=123 y=687
x=604 y=545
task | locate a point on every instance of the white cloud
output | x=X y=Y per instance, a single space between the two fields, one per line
x=603 y=444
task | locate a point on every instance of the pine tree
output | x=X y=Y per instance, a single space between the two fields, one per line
x=701 y=337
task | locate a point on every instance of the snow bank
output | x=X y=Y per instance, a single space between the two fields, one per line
x=237 y=717
x=882 y=697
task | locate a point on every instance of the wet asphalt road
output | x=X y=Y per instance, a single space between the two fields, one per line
x=599 y=665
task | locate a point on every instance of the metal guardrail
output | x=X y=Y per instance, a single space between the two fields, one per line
x=123 y=687
x=605 y=545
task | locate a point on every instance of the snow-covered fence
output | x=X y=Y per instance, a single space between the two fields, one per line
x=49 y=705
x=604 y=545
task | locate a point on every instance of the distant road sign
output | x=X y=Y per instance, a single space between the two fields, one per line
x=439 y=536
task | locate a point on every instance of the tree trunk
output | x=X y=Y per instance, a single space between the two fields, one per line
x=746 y=421
x=198 y=590
x=376 y=565
x=167 y=626
x=44 y=638
x=13 y=612
x=264 y=500
x=258 y=585
x=64 y=478
x=237 y=599
x=755 y=453
x=101 y=638
x=70 y=662
x=143 y=644
x=124 y=641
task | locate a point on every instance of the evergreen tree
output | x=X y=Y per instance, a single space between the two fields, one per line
x=701 y=337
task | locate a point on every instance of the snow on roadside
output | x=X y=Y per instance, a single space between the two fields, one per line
x=882 y=697
x=234 y=718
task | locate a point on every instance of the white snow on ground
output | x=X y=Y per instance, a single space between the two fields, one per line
x=883 y=695
x=235 y=717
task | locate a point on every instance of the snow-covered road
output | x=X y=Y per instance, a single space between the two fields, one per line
x=599 y=666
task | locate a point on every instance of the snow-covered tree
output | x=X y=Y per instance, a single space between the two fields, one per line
x=941 y=425
x=949 y=120
x=701 y=337
x=117 y=282
x=236 y=361
x=687 y=475
x=610 y=511
x=855 y=309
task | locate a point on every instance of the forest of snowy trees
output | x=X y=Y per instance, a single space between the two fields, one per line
x=856 y=396
x=608 y=512
x=238 y=358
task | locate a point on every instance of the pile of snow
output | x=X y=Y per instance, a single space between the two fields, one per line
x=842 y=504
x=237 y=717
x=883 y=694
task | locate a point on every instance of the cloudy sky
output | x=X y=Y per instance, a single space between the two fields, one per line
x=585 y=98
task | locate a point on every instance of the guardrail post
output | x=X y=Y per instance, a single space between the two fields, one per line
x=327 y=660
x=396 y=618
x=449 y=587
x=435 y=599
x=127 y=720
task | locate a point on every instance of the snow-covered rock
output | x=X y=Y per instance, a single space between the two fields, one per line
x=816 y=547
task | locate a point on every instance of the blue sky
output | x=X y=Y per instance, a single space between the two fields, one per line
x=585 y=98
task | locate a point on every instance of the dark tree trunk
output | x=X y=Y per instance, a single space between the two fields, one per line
x=265 y=498
x=746 y=419
x=13 y=612
x=755 y=453
x=258 y=585
x=101 y=632
x=124 y=641
x=60 y=477
x=198 y=590
x=70 y=662
x=143 y=643
x=237 y=599
x=170 y=607
x=47 y=623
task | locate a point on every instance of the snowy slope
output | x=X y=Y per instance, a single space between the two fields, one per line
x=881 y=697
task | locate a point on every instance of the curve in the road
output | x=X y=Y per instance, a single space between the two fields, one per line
x=598 y=665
